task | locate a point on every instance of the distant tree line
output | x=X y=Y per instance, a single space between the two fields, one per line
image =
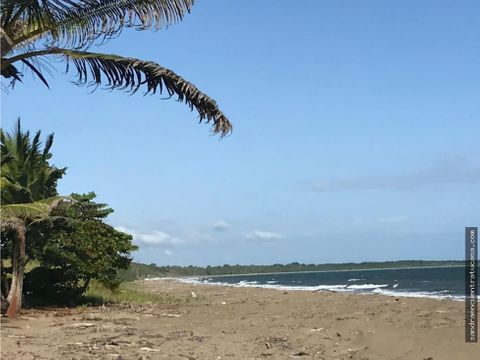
x=137 y=270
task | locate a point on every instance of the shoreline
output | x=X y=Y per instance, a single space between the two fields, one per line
x=392 y=293
x=212 y=322
x=376 y=289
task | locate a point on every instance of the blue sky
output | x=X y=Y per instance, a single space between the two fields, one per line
x=356 y=133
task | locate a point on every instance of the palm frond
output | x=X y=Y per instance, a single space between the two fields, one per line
x=13 y=192
x=29 y=211
x=48 y=145
x=78 y=23
x=26 y=174
x=130 y=74
x=6 y=43
x=30 y=14
x=10 y=71
x=6 y=156
x=36 y=71
x=37 y=210
x=93 y=19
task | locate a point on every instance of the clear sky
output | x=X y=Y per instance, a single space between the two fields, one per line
x=356 y=133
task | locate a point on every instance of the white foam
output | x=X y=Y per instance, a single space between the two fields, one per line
x=439 y=295
x=364 y=289
x=245 y=282
x=354 y=279
x=366 y=286
x=256 y=284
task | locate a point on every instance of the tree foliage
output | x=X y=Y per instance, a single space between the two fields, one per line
x=67 y=237
x=27 y=175
x=75 y=248
x=27 y=183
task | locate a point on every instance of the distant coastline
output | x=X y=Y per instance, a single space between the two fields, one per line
x=436 y=282
x=332 y=270
x=139 y=270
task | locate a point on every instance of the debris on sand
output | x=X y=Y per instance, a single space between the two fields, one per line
x=171 y=315
x=81 y=325
x=149 y=349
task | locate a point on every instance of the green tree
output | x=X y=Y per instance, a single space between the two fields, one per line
x=34 y=30
x=74 y=248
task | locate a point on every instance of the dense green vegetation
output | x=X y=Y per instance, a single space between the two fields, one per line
x=64 y=239
x=73 y=249
x=141 y=270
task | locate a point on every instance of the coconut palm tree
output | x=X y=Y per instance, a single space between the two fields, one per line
x=28 y=194
x=15 y=220
x=34 y=30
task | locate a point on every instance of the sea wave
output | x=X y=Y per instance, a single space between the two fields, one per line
x=439 y=295
x=256 y=284
x=380 y=289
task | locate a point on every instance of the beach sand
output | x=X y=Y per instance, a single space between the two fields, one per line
x=245 y=323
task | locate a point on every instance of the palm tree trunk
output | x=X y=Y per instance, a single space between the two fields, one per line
x=14 y=297
x=4 y=288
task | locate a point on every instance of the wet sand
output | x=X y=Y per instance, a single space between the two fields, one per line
x=244 y=323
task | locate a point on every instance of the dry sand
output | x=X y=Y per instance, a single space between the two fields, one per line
x=245 y=323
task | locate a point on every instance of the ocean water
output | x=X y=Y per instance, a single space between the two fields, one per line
x=432 y=282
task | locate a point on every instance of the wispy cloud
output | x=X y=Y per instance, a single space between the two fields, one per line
x=448 y=172
x=393 y=219
x=221 y=225
x=263 y=236
x=153 y=238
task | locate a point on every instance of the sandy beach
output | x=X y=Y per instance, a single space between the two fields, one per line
x=244 y=323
